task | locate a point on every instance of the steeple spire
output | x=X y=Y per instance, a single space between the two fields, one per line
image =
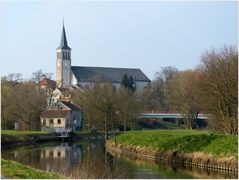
x=63 y=43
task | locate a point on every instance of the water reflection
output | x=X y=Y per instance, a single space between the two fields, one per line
x=177 y=170
x=88 y=159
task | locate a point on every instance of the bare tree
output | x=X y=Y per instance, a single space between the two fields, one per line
x=159 y=85
x=14 y=77
x=127 y=107
x=28 y=104
x=183 y=95
x=218 y=87
x=107 y=108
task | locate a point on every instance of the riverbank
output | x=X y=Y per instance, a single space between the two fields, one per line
x=15 y=170
x=190 y=147
x=11 y=138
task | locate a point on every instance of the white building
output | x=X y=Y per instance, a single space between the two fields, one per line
x=84 y=77
x=60 y=116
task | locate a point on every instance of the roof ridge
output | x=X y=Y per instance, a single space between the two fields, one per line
x=106 y=67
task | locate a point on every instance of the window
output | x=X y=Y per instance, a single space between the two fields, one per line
x=58 y=121
x=51 y=154
x=51 y=121
x=58 y=153
x=44 y=122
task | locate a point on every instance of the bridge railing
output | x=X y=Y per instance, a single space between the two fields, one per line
x=160 y=112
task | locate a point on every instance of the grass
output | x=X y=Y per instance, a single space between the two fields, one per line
x=189 y=141
x=11 y=136
x=13 y=132
x=15 y=170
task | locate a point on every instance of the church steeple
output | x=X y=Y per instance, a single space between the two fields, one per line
x=63 y=43
x=63 y=62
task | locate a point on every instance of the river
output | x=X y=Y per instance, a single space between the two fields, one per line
x=88 y=159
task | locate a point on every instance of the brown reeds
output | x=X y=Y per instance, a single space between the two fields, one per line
x=198 y=159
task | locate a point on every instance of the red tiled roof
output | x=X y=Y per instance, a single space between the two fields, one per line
x=54 y=113
x=48 y=82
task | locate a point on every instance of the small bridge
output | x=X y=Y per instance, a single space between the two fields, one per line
x=166 y=115
x=61 y=132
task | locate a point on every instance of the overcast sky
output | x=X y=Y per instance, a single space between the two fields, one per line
x=145 y=35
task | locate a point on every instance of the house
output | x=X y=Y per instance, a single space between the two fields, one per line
x=84 y=77
x=47 y=83
x=61 y=115
x=61 y=94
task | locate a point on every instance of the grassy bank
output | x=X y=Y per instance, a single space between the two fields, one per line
x=11 y=136
x=15 y=170
x=187 y=141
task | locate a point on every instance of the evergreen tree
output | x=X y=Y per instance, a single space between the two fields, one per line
x=125 y=81
x=128 y=83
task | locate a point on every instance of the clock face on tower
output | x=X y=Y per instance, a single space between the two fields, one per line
x=66 y=64
x=58 y=64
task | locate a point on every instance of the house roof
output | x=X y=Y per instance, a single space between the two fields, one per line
x=54 y=113
x=63 y=43
x=71 y=106
x=106 y=74
x=48 y=82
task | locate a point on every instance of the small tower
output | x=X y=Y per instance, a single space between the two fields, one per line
x=63 y=62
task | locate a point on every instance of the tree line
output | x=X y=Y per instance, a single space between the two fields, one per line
x=22 y=100
x=210 y=88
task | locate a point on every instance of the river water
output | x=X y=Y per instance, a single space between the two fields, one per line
x=89 y=159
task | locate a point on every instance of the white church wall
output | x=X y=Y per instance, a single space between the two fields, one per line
x=116 y=85
x=140 y=85
x=88 y=85
x=73 y=79
x=66 y=73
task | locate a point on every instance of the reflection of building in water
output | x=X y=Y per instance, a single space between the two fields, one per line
x=15 y=154
x=59 y=158
x=56 y=152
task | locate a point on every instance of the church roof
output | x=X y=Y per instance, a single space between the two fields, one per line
x=106 y=74
x=63 y=43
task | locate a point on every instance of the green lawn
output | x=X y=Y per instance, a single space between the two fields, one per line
x=218 y=145
x=13 y=132
x=15 y=170
x=8 y=136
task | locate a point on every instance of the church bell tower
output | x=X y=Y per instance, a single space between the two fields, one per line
x=63 y=62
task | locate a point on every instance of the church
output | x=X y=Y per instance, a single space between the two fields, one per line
x=84 y=77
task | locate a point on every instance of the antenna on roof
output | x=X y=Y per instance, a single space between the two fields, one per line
x=63 y=20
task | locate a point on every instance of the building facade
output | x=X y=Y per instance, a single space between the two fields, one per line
x=61 y=116
x=84 y=77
